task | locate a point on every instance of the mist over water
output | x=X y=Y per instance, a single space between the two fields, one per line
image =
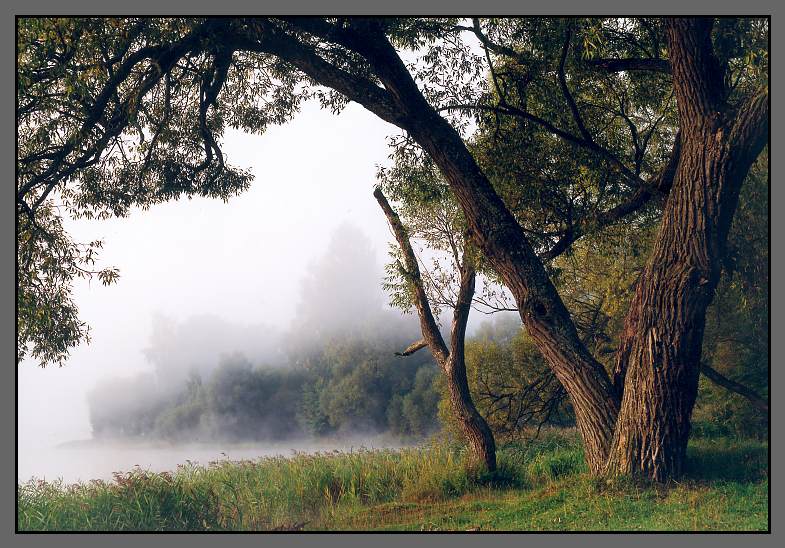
x=335 y=304
x=263 y=282
x=202 y=280
x=87 y=460
x=126 y=413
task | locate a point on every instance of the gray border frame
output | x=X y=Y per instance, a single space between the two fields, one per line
x=408 y=7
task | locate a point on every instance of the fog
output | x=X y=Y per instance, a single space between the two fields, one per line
x=202 y=280
x=239 y=262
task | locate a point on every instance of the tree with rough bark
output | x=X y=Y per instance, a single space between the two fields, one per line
x=115 y=113
x=659 y=357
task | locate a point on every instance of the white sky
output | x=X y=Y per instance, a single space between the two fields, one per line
x=241 y=260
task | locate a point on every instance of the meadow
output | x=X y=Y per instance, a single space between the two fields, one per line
x=540 y=485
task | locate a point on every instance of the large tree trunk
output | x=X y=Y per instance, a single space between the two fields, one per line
x=498 y=235
x=662 y=343
x=659 y=358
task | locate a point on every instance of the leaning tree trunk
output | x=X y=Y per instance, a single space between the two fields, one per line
x=659 y=358
x=501 y=239
x=474 y=427
x=663 y=336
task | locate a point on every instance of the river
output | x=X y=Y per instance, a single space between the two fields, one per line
x=89 y=459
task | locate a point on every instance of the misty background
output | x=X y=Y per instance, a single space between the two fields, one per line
x=204 y=283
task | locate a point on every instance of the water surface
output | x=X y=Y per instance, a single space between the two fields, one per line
x=85 y=460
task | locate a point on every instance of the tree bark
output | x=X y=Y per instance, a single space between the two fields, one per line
x=658 y=363
x=452 y=361
x=474 y=426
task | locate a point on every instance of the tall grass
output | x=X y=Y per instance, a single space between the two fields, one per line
x=321 y=490
x=268 y=493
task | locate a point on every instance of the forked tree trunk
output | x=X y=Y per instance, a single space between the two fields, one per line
x=452 y=361
x=659 y=358
x=501 y=239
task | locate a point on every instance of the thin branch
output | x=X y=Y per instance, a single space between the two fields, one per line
x=463 y=304
x=494 y=47
x=659 y=184
x=430 y=330
x=576 y=115
x=511 y=110
x=412 y=348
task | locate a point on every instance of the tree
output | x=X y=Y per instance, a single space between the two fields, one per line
x=104 y=123
x=659 y=357
x=506 y=391
x=514 y=388
x=48 y=261
x=451 y=359
x=156 y=84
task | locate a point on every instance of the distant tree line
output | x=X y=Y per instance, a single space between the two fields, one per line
x=354 y=384
x=349 y=386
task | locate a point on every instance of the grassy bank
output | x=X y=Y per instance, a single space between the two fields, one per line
x=541 y=485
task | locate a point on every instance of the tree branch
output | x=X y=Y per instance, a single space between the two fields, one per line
x=511 y=110
x=737 y=388
x=659 y=184
x=499 y=49
x=430 y=330
x=632 y=64
x=576 y=115
x=463 y=304
x=264 y=37
x=412 y=348
x=750 y=130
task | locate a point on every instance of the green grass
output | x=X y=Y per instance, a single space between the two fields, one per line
x=542 y=485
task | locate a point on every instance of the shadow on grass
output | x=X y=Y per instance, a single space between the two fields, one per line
x=727 y=460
